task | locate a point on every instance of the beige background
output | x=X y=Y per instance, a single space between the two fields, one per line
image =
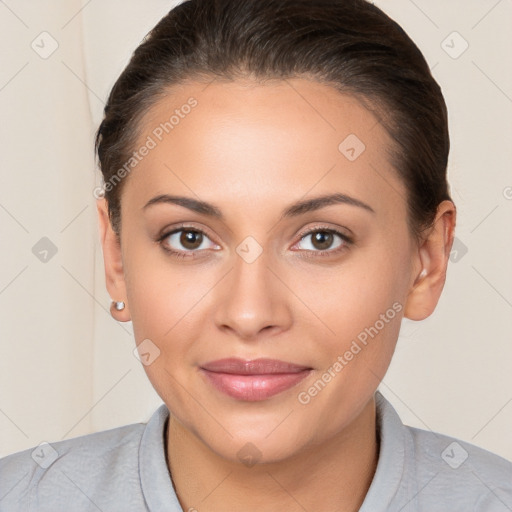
x=67 y=368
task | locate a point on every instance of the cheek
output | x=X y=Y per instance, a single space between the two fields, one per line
x=165 y=297
x=351 y=296
x=150 y=280
x=361 y=304
x=365 y=325
x=165 y=302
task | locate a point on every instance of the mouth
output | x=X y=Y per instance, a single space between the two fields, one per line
x=254 y=380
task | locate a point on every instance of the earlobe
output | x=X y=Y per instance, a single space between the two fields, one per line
x=113 y=262
x=433 y=255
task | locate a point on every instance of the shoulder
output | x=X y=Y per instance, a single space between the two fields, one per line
x=68 y=473
x=421 y=470
x=458 y=471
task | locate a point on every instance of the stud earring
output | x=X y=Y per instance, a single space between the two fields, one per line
x=119 y=305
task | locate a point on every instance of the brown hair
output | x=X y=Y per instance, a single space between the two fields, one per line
x=350 y=44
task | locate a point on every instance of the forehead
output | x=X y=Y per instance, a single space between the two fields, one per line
x=254 y=141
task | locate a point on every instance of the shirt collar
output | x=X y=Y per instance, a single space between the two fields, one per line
x=155 y=479
x=390 y=466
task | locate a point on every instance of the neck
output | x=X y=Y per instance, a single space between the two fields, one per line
x=333 y=475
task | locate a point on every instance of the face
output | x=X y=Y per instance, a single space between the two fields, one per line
x=264 y=272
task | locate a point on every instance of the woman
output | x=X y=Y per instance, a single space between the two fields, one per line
x=274 y=203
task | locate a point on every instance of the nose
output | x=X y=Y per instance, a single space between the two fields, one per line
x=253 y=300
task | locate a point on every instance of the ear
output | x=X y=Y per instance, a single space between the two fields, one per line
x=434 y=255
x=112 y=257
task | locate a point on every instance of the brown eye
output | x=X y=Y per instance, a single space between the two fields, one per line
x=191 y=239
x=324 y=242
x=186 y=241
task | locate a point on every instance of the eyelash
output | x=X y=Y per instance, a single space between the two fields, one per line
x=318 y=229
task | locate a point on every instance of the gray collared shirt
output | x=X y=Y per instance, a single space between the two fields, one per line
x=124 y=469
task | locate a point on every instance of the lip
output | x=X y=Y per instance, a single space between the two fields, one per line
x=259 y=366
x=253 y=380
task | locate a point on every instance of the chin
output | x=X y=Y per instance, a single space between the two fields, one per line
x=260 y=451
x=251 y=447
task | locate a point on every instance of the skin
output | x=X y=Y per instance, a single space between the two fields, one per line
x=252 y=150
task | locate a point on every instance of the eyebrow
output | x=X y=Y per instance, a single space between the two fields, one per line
x=294 y=210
